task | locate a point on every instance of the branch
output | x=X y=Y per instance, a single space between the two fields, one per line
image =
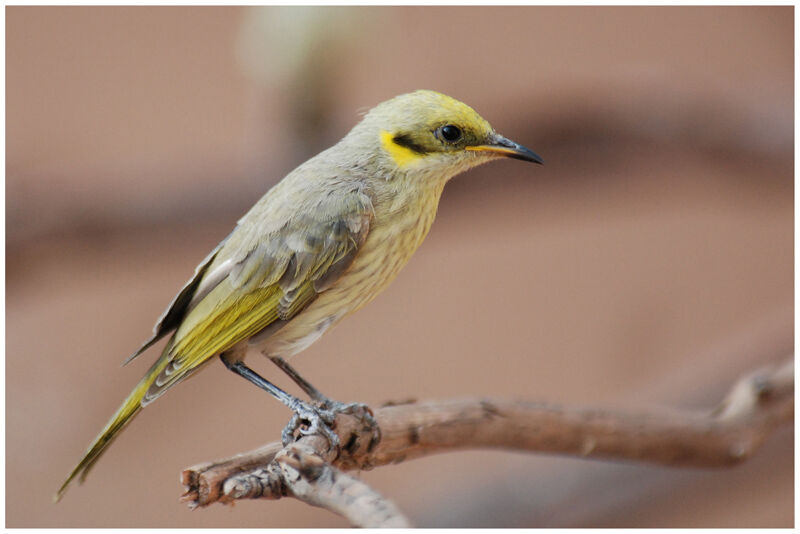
x=303 y=470
x=731 y=433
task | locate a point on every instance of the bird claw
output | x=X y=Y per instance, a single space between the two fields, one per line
x=309 y=419
x=360 y=411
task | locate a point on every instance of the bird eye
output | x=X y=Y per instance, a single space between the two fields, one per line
x=451 y=133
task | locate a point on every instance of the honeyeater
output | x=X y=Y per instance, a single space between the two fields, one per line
x=317 y=246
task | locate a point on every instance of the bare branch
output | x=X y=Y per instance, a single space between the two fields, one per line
x=728 y=435
x=299 y=470
x=315 y=481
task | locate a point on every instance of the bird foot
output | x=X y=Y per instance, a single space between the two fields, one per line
x=363 y=413
x=309 y=419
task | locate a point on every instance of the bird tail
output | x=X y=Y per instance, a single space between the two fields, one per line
x=130 y=407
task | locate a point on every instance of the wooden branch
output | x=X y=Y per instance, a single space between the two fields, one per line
x=731 y=433
x=302 y=470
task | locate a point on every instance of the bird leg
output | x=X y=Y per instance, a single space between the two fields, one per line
x=356 y=409
x=304 y=384
x=317 y=419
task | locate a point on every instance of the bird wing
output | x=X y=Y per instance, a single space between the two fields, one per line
x=257 y=279
x=171 y=318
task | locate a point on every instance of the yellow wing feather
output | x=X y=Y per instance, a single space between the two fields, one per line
x=244 y=317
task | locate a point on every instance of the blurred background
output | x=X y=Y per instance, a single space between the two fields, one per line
x=645 y=267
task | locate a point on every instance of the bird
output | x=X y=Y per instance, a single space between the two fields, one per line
x=319 y=245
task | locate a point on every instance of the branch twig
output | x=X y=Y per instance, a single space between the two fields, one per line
x=728 y=435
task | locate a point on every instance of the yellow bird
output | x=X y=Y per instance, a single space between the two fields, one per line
x=319 y=245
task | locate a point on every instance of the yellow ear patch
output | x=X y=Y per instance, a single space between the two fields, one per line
x=401 y=155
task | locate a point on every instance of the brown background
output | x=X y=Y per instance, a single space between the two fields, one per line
x=644 y=267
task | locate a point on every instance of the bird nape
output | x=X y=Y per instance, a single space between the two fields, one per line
x=317 y=246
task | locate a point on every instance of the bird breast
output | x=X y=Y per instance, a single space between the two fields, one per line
x=396 y=231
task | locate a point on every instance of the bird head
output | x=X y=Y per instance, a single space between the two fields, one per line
x=432 y=132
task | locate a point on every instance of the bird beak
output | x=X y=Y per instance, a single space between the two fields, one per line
x=506 y=147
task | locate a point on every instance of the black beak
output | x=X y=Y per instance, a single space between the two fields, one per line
x=506 y=147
